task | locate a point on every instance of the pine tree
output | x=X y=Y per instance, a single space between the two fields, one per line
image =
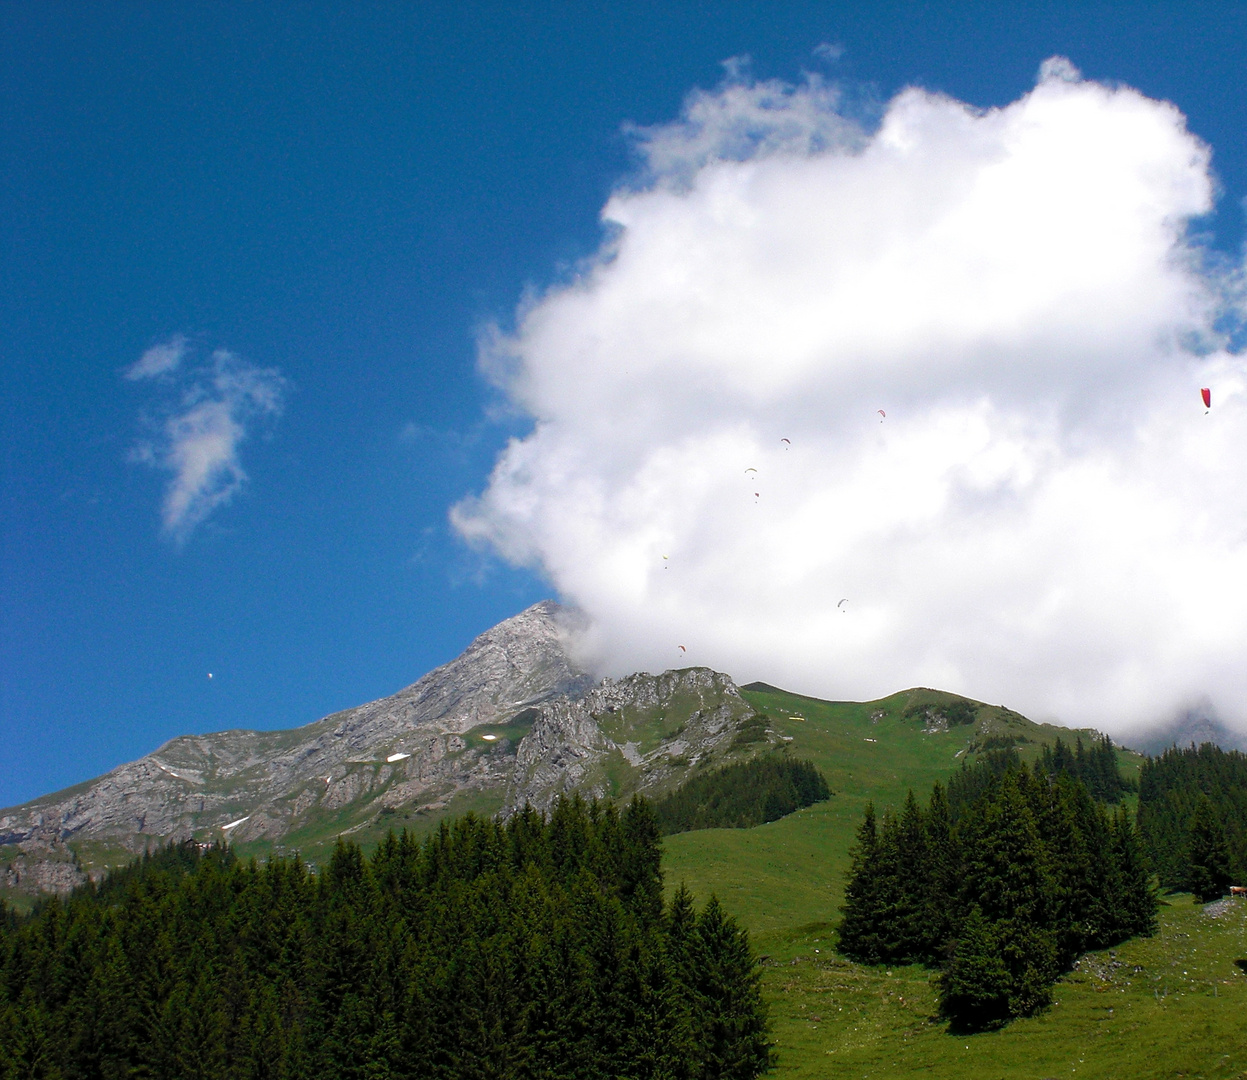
x=1007 y=878
x=975 y=987
x=641 y=861
x=736 y=1046
x=1209 y=852
x=686 y=1007
x=1107 y=784
x=1005 y=868
x=892 y=919
x=28 y=1043
x=1134 y=900
x=912 y=885
x=1081 y=874
x=863 y=909
x=943 y=883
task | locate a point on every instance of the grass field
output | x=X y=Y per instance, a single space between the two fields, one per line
x=1170 y=1006
x=791 y=872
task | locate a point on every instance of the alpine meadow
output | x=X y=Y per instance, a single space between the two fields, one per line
x=1008 y=922
x=623 y=542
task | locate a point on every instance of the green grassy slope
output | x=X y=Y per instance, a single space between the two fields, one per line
x=792 y=871
x=1172 y=1005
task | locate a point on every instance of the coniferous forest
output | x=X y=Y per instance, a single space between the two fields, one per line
x=1193 y=818
x=1003 y=896
x=1094 y=765
x=742 y=795
x=535 y=948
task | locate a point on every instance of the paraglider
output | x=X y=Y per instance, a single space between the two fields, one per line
x=883 y=414
x=788 y=441
x=1206 y=394
x=749 y=470
x=842 y=603
x=681 y=648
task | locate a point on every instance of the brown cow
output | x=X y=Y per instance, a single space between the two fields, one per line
x=1238 y=890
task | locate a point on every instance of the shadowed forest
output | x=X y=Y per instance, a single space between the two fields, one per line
x=535 y=948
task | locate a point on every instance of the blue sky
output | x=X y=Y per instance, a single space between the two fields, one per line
x=344 y=196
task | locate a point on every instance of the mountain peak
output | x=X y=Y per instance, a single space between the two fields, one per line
x=259 y=784
x=514 y=719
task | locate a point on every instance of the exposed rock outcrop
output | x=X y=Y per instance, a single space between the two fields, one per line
x=649 y=727
x=250 y=785
x=513 y=720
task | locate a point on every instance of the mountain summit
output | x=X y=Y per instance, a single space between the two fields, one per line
x=513 y=720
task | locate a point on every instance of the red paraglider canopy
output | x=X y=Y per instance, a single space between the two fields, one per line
x=1206 y=394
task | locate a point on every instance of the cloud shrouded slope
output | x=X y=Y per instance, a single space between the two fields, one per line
x=1045 y=516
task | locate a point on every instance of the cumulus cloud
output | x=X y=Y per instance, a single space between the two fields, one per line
x=963 y=351
x=215 y=406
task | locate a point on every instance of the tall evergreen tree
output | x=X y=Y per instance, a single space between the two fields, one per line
x=1007 y=875
x=1134 y=900
x=944 y=879
x=912 y=884
x=734 y=1044
x=864 y=898
x=975 y=986
x=1208 y=852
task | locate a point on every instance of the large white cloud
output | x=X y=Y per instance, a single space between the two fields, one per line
x=1046 y=516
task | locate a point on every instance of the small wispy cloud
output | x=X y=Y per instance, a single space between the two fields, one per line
x=830 y=51
x=215 y=406
x=158 y=360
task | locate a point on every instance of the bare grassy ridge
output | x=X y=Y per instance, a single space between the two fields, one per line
x=1175 y=1004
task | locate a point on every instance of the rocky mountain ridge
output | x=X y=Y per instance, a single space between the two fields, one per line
x=512 y=720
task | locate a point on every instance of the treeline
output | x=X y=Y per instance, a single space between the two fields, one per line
x=1032 y=873
x=1193 y=818
x=971 y=782
x=1094 y=765
x=742 y=795
x=536 y=948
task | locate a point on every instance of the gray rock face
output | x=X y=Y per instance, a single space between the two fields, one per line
x=513 y=720
x=260 y=784
x=650 y=727
x=41 y=870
